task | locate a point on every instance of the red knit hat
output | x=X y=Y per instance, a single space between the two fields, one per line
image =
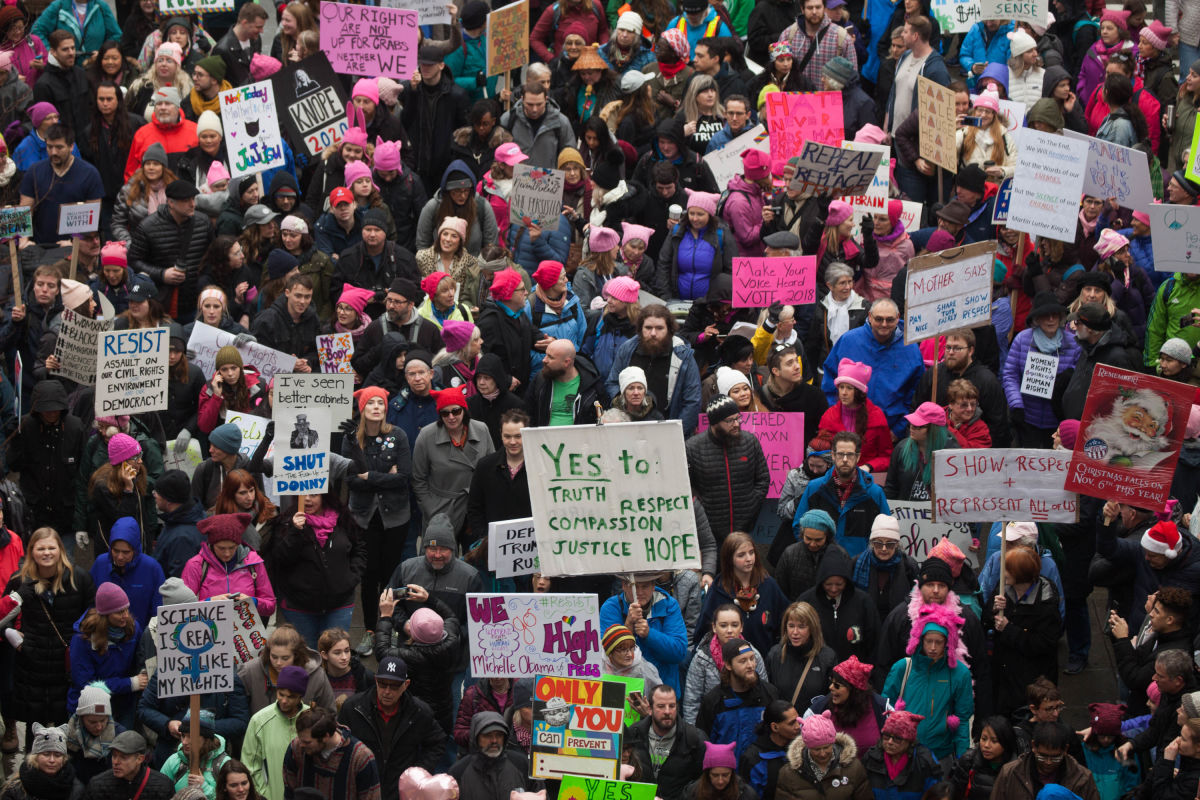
x=1106 y=718
x=902 y=724
x=429 y=284
x=366 y=393
x=449 y=397
x=855 y=673
x=504 y=283
x=1162 y=539
x=224 y=527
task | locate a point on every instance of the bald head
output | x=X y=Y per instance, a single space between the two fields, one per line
x=559 y=363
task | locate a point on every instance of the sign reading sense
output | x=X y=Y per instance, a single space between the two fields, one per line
x=194 y=642
x=521 y=635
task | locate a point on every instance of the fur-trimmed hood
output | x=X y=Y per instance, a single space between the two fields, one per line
x=499 y=136
x=955 y=646
x=845 y=751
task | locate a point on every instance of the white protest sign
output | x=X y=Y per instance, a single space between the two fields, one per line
x=1012 y=114
x=1175 y=231
x=512 y=548
x=880 y=185
x=301 y=450
x=206 y=340
x=1047 y=185
x=948 y=290
x=253 y=430
x=429 y=12
x=1116 y=171
x=919 y=533
x=611 y=500
x=522 y=635
x=986 y=485
x=910 y=214
x=826 y=171
x=178 y=8
x=727 y=162
x=76 y=218
x=187 y=461
x=251 y=125
x=249 y=633
x=955 y=16
x=131 y=371
x=1040 y=372
x=76 y=346
x=334 y=351
x=536 y=197
x=1032 y=11
x=333 y=391
x=194 y=642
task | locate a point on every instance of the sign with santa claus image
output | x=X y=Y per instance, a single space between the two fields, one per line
x=1129 y=437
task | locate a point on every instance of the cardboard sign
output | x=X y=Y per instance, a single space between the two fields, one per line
x=521 y=635
x=1005 y=484
x=759 y=282
x=206 y=340
x=16 y=222
x=1003 y=201
x=1040 y=371
x=955 y=16
x=194 y=644
x=253 y=429
x=1129 y=437
x=575 y=788
x=1116 y=171
x=369 y=40
x=334 y=351
x=1047 y=185
x=508 y=38
x=74 y=218
x=799 y=117
x=919 y=532
x=727 y=162
x=632 y=685
x=77 y=345
x=827 y=171
x=938 y=124
x=881 y=185
x=303 y=429
x=1031 y=11
x=249 y=632
x=512 y=548
x=131 y=372
x=948 y=290
x=536 y=197
x=429 y=12
x=333 y=391
x=251 y=129
x=1175 y=231
x=577 y=727
x=611 y=501
x=179 y=8
x=187 y=461
x=778 y=432
x=311 y=103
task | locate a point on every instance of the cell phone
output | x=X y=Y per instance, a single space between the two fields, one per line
x=1187 y=320
x=635 y=699
x=973 y=122
x=400 y=592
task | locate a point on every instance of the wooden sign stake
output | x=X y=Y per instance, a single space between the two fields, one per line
x=194 y=732
x=18 y=298
x=74 y=256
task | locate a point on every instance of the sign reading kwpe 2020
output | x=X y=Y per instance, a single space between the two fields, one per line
x=311 y=103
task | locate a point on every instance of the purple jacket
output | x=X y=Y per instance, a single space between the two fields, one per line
x=1091 y=71
x=743 y=212
x=1038 y=412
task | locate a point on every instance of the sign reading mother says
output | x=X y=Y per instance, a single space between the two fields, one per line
x=367 y=40
x=611 y=500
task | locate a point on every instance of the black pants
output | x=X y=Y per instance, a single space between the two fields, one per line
x=385 y=549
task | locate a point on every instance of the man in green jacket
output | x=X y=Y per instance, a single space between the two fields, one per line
x=272 y=729
x=1177 y=298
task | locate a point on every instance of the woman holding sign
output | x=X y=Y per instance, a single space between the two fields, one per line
x=1043 y=348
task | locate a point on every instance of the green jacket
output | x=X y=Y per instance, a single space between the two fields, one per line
x=1181 y=133
x=176 y=768
x=267 y=738
x=937 y=691
x=1175 y=299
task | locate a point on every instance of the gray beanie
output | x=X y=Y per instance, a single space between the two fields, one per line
x=1177 y=349
x=174 y=591
x=48 y=740
x=94 y=699
x=1191 y=702
x=840 y=70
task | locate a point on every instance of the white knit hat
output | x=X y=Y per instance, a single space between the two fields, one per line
x=728 y=377
x=631 y=375
x=630 y=21
x=885 y=527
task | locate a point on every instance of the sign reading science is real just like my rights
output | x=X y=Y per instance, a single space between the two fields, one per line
x=613 y=499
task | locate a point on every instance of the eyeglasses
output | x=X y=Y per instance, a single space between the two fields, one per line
x=1048 y=759
x=882 y=545
x=885 y=320
x=450 y=412
x=894 y=738
x=845 y=456
x=955 y=348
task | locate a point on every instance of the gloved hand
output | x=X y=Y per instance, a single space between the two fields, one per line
x=243 y=339
x=349 y=428
x=773 y=312
x=379 y=296
x=1033 y=265
x=15 y=638
x=182 y=439
x=867 y=224
x=81 y=539
x=1017 y=415
x=480 y=79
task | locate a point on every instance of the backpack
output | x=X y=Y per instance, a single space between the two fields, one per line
x=600 y=18
x=725 y=193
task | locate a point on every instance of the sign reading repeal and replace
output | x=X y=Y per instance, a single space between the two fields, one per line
x=1047 y=184
x=777 y=432
x=311 y=103
x=948 y=290
x=881 y=184
x=76 y=218
x=251 y=129
x=536 y=197
x=577 y=727
x=759 y=282
x=131 y=371
x=830 y=171
x=521 y=635
x=512 y=548
x=1005 y=484
x=194 y=642
x=76 y=347
x=369 y=40
x=611 y=504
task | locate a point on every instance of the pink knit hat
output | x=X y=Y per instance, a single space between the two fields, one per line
x=114 y=253
x=839 y=212
x=756 y=164
x=355 y=297
x=1110 y=242
x=1156 y=35
x=817 y=730
x=854 y=672
x=949 y=552
x=989 y=99
x=456 y=334
x=368 y=88
x=430 y=283
x=121 y=448
x=355 y=170
x=719 y=755
x=426 y=626
x=854 y=373
x=705 y=201
x=389 y=90
x=895 y=209
x=216 y=173
x=110 y=599
x=1118 y=18
x=456 y=224
x=387 y=156
x=902 y=724
x=504 y=283
x=623 y=288
x=547 y=274
x=263 y=67
x=634 y=231
x=170 y=50
x=870 y=134
x=601 y=240
x=1142 y=216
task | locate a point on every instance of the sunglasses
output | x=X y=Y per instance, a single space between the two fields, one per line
x=450 y=412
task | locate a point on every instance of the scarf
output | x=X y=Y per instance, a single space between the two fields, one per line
x=849 y=416
x=491 y=398
x=95 y=747
x=355 y=333
x=668 y=70
x=1045 y=344
x=863 y=567
x=322 y=524
x=554 y=305
x=156 y=195
x=48 y=787
x=1088 y=227
x=714 y=649
x=839 y=317
x=897 y=232
x=895 y=765
x=200 y=105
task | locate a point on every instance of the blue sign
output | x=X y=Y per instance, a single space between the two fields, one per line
x=1003 y=200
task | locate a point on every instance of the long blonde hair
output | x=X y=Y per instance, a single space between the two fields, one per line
x=997 y=130
x=66 y=572
x=691 y=110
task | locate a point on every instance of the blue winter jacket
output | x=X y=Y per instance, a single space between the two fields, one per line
x=709 y=26
x=869 y=491
x=642 y=56
x=115 y=667
x=896 y=370
x=552 y=245
x=983 y=47
x=936 y=691
x=1038 y=412
x=179 y=539
x=600 y=344
x=32 y=149
x=683 y=383
x=570 y=324
x=469 y=60
x=410 y=413
x=140 y=578
x=877 y=14
x=665 y=645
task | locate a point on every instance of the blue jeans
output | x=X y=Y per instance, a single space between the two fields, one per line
x=1187 y=54
x=311 y=625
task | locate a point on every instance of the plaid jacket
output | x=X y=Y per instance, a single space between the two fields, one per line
x=832 y=41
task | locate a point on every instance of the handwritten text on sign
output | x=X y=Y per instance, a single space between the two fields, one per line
x=1047 y=184
x=759 y=282
x=311 y=103
x=251 y=129
x=334 y=351
x=1040 y=371
x=935 y=104
x=1032 y=11
x=174 y=8
x=368 y=40
x=131 y=372
x=1116 y=171
x=206 y=340
x=955 y=16
x=727 y=161
x=512 y=548
x=536 y=197
x=521 y=635
x=75 y=349
x=194 y=642
x=799 y=117
x=1175 y=231
x=1006 y=484
x=830 y=171
x=576 y=788
x=508 y=38
x=919 y=533
x=777 y=432
x=577 y=727
x=15 y=221
x=942 y=294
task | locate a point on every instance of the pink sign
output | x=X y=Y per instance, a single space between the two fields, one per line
x=759 y=282
x=797 y=117
x=370 y=40
x=782 y=438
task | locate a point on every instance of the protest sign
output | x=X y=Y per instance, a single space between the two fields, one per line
x=881 y=185
x=508 y=38
x=249 y=632
x=759 y=282
x=611 y=504
x=910 y=214
x=574 y=787
x=251 y=129
x=77 y=345
x=187 y=461
x=1032 y=11
x=194 y=644
x=206 y=340
x=333 y=391
x=1003 y=200
x=632 y=686
x=131 y=372
x=76 y=218
x=937 y=124
x=536 y=197
x=1129 y=437
x=577 y=726
x=1012 y=114
x=827 y=171
x=727 y=162
x=512 y=548
x=1047 y=185
x=429 y=12
x=521 y=635
x=1005 y=484
x=919 y=532
x=369 y=40
x=1175 y=231
x=778 y=432
x=16 y=222
x=1040 y=371
x=306 y=409
x=334 y=351
x=1116 y=171
x=955 y=16
x=1193 y=165
x=311 y=104
x=799 y=117
x=253 y=429
x=178 y=8
x=948 y=290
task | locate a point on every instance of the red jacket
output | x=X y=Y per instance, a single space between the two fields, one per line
x=546 y=32
x=877 y=441
x=177 y=138
x=209 y=414
x=974 y=434
x=1147 y=103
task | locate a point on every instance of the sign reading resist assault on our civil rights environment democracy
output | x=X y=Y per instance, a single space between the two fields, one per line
x=369 y=40
x=611 y=500
x=512 y=548
x=759 y=282
x=175 y=8
x=429 y=12
x=830 y=171
x=522 y=635
x=1129 y=437
x=1005 y=484
x=937 y=124
x=948 y=290
x=311 y=104
x=508 y=38
x=194 y=643
x=777 y=432
x=76 y=218
x=799 y=117
x=727 y=162
x=1032 y=11
x=919 y=533
x=206 y=340
x=1175 y=231
x=251 y=129
x=1047 y=184
x=536 y=197
x=131 y=371
x=1116 y=171
x=574 y=787
x=15 y=222
x=76 y=347
x=577 y=727
x=955 y=16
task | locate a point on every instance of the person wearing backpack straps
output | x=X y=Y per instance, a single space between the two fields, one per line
x=226 y=568
x=548 y=33
x=696 y=251
x=742 y=204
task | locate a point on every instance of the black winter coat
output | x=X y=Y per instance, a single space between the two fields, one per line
x=431 y=119
x=159 y=243
x=355 y=267
x=1115 y=349
x=851 y=626
x=481 y=777
x=1169 y=785
x=382 y=491
x=48 y=458
x=1027 y=647
x=785 y=664
x=898 y=587
x=69 y=91
x=431 y=667
x=540 y=396
x=275 y=328
x=496 y=495
x=108 y=159
x=231 y=712
x=183 y=403
x=684 y=762
x=405 y=196
x=768 y=19
x=730 y=481
x=416 y=739
x=29 y=783
x=973 y=777
x=420 y=332
x=490 y=411
x=796 y=570
x=236 y=58
x=510 y=338
x=315 y=578
x=918 y=774
x=107 y=786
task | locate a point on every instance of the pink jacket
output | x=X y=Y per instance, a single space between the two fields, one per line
x=1147 y=103
x=205 y=575
x=487 y=188
x=743 y=212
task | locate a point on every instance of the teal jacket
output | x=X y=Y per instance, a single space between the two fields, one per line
x=176 y=768
x=467 y=61
x=99 y=25
x=937 y=691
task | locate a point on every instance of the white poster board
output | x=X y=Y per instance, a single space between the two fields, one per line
x=331 y=390
x=955 y=16
x=194 y=642
x=1116 y=171
x=77 y=345
x=881 y=184
x=75 y=218
x=1047 y=185
x=187 y=461
x=132 y=371
x=251 y=124
x=522 y=635
x=948 y=290
x=919 y=532
x=206 y=340
x=1005 y=484
x=727 y=162
x=429 y=12
x=1032 y=11
x=512 y=548
x=303 y=430
x=1176 y=234
x=536 y=197
x=253 y=430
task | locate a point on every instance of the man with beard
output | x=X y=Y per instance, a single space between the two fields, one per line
x=959 y=362
x=670 y=366
x=1133 y=433
x=492 y=770
x=272 y=729
x=673 y=750
x=728 y=470
x=847 y=494
x=64 y=84
x=130 y=776
x=60 y=179
x=1100 y=342
x=400 y=315
x=730 y=711
x=566 y=390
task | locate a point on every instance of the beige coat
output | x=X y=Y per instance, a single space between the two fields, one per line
x=845 y=780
